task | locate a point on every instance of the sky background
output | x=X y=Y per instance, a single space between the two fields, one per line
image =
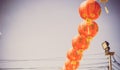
x=36 y=34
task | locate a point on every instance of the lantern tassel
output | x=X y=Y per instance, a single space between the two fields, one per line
x=105 y=7
x=106 y=10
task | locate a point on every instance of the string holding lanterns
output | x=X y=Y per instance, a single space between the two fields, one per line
x=89 y=10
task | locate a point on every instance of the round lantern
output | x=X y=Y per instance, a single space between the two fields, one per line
x=73 y=54
x=79 y=42
x=90 y=10
x=71 y=65
x=87 y=29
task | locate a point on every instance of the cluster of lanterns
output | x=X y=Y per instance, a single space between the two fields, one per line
x=89 y=10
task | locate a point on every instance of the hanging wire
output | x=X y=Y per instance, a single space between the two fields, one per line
x=94 y=54
x=115 y=61
x=115 y=66
x=49 y=59
x=98 y=65
x=117 y=56
x=59 y=68
x=95 y=63
x=26 y=60
x=93 y=67
x=32 y=68
x=95 y=59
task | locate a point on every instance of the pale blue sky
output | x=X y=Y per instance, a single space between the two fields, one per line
x=43 y=29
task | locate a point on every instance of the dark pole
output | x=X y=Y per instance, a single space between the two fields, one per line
x=110 y=61
x=106 y=47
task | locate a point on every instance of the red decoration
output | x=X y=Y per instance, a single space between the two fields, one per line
x=71 y=65
x=88 y=29
x=73 y=54
x=89 y=10
x=79 y=42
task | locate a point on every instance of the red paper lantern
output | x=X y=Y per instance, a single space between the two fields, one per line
x=79 y=42
x=71 y=65
x=90 y=10
x=73 y=54
x=88 y=29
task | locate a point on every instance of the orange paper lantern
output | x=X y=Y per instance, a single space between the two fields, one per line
x=88 y=29
x=71 y=65
x=90 y=10
x=73 y=54
x=79 y=42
